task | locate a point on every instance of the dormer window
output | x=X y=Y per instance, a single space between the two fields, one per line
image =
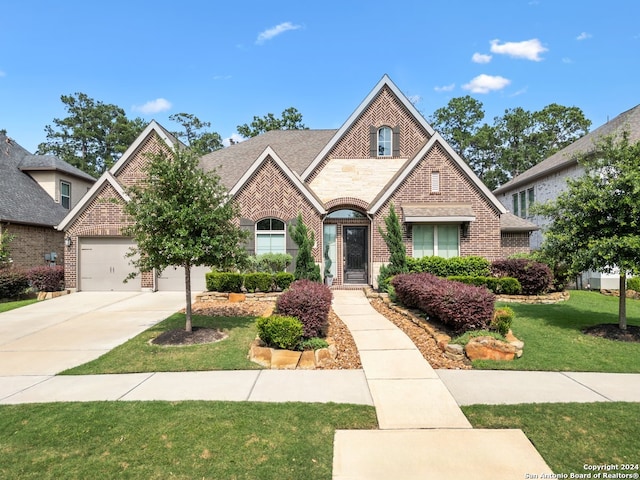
x=385 y=141
x=65 y=194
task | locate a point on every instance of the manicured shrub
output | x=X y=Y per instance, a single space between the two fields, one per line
x=384 y=277
x=534 y=277
x=633 y=283
x=310 y=303
x=13 y=282
x=224 y=282
x=269 y=262
x=472 y=266
x=435 y=265
x=502 y=285
x=258 y=281
x=502 y=320
x=314 y=343
x=306 y=267
x=461 y=307
x=283 y=280
x=280 y=332
x=46 y=279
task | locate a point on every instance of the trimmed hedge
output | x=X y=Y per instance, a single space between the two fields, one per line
x=462 y=307
x=13 y=282
x=534 y=277
x=258 y=281
x=310 y=303
x=633 y=283
x=280 y=332
x=224 y=282
x=252 y=282
x=47 y=279
x=502 y=285
x=283 y=280
x=471 y=266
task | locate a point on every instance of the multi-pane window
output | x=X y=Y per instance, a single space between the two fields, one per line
x=438 y=240
x=385 y=141
x=522 y=202
x=65 y=195
x=270 y=236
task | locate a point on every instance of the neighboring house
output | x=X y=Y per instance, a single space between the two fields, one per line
x=546 y=180
x=36 y=193
x=342 y=181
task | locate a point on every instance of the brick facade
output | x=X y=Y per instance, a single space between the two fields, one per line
x=30 y=245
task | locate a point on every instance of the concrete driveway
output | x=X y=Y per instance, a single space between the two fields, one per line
x=53 y=335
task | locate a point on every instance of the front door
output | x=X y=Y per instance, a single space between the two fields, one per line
x=355 y=255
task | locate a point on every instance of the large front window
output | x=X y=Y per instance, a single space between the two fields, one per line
x=438 y=240
x=270 y=236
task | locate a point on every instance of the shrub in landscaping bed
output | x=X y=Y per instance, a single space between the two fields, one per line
x=279 y=331
x=634 y=284
x=502 y=320
x=13 y=282
x=534 y=277
x=224 y=282
x=283 y=280
x=310 y=303
x=270 y=262
x=459 y=306
x=46 y=279
x=258 y=281
x=472 y=266
x=501 y=285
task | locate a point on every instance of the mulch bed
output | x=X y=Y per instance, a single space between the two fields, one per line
x=180 y=337
x=612 y=331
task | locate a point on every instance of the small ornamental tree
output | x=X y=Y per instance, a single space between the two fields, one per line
x=183 y=217
x=397 y=251
x=306 y=267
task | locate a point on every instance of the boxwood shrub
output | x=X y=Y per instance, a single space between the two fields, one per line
x=310 y=303
x=473 y=266
x=13 y=282
x=258 y=281
x=224 y=282
x=461 y=307
x=283 y=280
x=279 y=331
x=534 y=277
x=633 y=283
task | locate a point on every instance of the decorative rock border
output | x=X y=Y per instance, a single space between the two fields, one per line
x=482 y=348
x=277 y=359
x=547 y=298
x=49 y=295
x=238 y=297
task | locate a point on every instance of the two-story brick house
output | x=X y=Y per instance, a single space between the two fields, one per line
x=342 y=181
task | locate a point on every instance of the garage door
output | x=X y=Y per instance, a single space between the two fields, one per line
x=104 y=265
x=172 y=279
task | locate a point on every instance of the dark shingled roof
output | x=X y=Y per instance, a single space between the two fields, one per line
x=50 y=162
x=511 y=223
x=22 y=200
x=296 y=148
x=629 y=120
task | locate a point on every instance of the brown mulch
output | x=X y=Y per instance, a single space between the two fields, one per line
x=611 y=331
x=421 y=338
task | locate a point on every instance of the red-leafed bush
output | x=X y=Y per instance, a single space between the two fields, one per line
x=310 y=303
x=47 y=279
x=462 y=307
x=534 y=277
x=13 y=282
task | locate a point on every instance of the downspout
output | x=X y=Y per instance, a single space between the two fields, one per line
x=370 y=257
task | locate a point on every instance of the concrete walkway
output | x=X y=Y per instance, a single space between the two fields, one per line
x=423 y=433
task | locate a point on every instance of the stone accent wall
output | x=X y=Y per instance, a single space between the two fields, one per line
x=31 y=243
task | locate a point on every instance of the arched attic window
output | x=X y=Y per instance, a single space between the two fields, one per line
x=385 y=141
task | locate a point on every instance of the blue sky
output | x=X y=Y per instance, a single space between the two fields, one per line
x=226 y=62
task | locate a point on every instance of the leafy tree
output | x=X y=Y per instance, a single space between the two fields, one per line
x=306 y=267
x=397 y=251
x=595 y=222
x=182 y=216
x=291 y=120
x=93 y=136
x=200 y=142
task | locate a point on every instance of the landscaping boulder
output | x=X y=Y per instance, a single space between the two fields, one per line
x=489 y=348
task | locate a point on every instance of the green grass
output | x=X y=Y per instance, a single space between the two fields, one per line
x=6 y=306
x=570 y=435
x=553 y=340
x=182 y=440
x=138 y=355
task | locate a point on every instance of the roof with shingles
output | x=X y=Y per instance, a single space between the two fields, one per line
x=50 y=162
x=22 y=200
x=629 y=121
x=512 y=223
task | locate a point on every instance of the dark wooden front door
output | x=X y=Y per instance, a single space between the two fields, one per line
x=355 y=254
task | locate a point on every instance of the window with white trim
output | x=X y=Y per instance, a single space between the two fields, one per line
x=65 y=194
x=435 y=182
x=270 y=236
x=436 y=240
x=385 y=142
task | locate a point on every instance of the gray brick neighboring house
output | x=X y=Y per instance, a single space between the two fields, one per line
x=546 y=180
x=36 y=192
x=342 y=181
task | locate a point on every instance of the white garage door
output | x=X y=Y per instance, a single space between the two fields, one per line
x=172 y=279
x=104 y=265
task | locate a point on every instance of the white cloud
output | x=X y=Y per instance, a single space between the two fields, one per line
x=236 y=138
x=486 y=83
x=481 y=58
x=566 y=60
x=153 y=106
x=275 y=31
x=584 y=36
x=527 y=49
x=414 y=99
x=445 y=88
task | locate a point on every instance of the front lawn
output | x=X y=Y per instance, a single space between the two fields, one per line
x=571 y=435
x=138 y=355
x=6 y=306
x=554 y=341
x=181 y=440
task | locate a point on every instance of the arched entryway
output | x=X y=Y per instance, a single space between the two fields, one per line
x=346 y=247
